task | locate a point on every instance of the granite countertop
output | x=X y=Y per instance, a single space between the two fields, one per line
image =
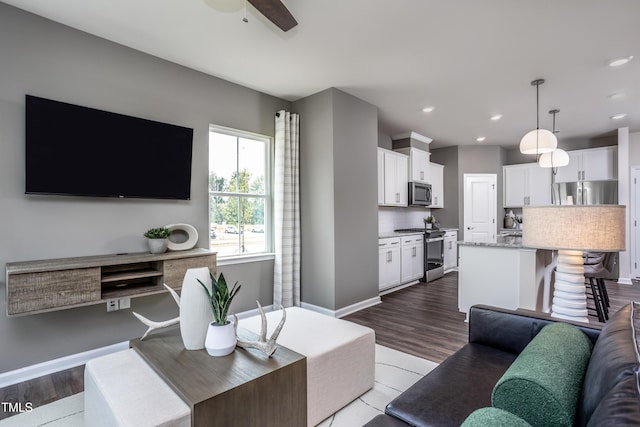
x=395 y=234
x=501 y=242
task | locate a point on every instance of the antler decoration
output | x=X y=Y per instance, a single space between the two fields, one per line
x=268 y=347
x=159 y=325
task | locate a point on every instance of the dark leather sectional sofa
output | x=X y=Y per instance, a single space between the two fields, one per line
x=610 y=394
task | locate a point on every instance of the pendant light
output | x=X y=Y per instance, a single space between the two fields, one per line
x=558 y=157
x=538 y=141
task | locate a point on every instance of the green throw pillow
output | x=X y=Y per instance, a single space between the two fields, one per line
x=543 y=384
x=493 y=417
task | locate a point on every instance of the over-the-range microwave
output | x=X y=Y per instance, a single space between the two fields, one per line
x=419 y=194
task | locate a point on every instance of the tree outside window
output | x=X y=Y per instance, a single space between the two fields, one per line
x=239 y=192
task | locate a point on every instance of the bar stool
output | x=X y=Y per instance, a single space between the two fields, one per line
x=597 y=267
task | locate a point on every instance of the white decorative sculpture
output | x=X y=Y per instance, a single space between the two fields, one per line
x=189 y=230
x=268 y=347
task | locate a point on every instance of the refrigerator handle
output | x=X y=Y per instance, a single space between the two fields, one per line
x=579 y=194
x=585 y=196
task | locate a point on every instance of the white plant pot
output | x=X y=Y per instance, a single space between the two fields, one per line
x=195 y=309
x=158 y=246
x=221 y=340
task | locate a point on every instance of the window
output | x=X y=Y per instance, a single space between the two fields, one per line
x=239 y=192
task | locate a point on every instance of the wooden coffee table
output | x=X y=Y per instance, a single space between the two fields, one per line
x=245 y=388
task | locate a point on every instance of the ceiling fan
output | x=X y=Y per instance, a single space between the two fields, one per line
x=276 y=12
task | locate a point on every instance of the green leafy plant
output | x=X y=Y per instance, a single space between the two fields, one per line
x=221 y=297
x=158 y=233
x=429 y=220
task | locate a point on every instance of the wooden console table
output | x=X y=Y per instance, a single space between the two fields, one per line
x=57 y=284
x=244 y=389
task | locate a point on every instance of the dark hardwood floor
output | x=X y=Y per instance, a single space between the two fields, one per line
x=422 y=320
x=43 y=390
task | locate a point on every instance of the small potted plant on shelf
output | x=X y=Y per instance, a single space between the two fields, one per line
x=158 y=239
x=221 y=335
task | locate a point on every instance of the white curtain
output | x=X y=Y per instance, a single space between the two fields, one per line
x=286 y=207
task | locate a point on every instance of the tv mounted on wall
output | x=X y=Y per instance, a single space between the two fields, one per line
x=81 y=151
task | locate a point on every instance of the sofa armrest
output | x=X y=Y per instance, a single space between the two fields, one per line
x=511 y=330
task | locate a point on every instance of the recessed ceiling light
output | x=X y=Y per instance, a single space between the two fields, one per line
x=481 y=138
x=428 y=109
x=495 y=117
x=616 y=95
x=618 y=116
x=620 y=61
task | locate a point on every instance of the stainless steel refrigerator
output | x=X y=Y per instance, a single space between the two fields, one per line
x=585 y=193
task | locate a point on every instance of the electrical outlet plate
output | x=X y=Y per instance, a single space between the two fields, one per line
x=124 y=303
x=112 y=305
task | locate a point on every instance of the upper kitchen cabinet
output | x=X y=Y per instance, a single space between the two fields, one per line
x=436 y=179
x=415 y=146
x=392 y=173
x=594 y=164
x=526 y=184
x=418 y=164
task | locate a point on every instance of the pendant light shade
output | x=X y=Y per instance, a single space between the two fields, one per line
x=555 y=159
x=538 y=141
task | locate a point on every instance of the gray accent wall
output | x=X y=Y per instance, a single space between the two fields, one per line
x=467 y=159
x=46 y=59
x=338 y=180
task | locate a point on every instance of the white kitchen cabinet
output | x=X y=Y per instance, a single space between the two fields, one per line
x=436 y=179
x=395 y=188
x=450 y=250
x=418 y=164
x=526 y=184
x=412 y=258
x=594 y=164
x=389 y=263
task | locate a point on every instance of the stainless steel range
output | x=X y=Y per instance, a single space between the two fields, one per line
x=433 y=251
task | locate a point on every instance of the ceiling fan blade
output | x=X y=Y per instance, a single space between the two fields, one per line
x=275 y=12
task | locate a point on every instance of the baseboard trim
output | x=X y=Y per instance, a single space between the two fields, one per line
x=345 y=310
x=397 y=288
x=624 y=281
x=57 y=365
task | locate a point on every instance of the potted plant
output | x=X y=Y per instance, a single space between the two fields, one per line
x=221 y=335
x=428 y=222
x=158 y=239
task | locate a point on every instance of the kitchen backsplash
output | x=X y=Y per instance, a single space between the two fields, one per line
x=390 y=219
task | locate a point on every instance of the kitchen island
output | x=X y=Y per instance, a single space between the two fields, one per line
x=503 y=274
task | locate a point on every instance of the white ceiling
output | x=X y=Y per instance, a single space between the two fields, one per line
x=469 y=59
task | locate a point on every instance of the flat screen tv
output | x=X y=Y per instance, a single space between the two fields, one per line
x=80 y=151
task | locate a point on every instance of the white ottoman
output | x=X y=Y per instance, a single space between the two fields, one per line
x=121 y=389
x=340 y=356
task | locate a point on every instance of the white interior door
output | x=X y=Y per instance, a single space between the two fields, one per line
x=480 y=208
